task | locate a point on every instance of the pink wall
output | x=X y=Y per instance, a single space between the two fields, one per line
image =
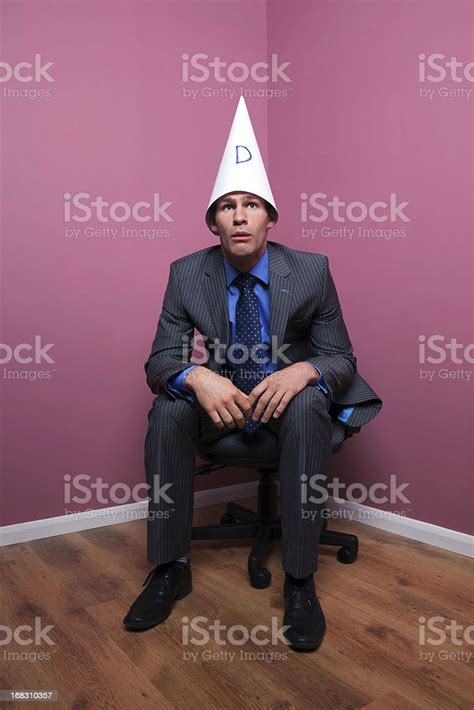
x=117 y=123
x=357 y=127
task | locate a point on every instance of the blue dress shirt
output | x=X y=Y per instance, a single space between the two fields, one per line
x=175 y=383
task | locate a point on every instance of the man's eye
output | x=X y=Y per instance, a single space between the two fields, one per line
x=253 y=203
x=227 y=205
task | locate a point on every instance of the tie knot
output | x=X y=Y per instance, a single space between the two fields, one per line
x=245 y=281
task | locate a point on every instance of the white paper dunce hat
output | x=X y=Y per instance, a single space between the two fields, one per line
x=241 y=168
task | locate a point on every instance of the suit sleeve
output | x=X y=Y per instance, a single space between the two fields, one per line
x=175 y=385
x=172 y=346
x=330 y=343
x=343 y=414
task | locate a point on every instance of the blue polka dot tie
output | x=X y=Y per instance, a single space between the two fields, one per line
x=248 y=371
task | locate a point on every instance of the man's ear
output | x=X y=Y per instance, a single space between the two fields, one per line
x=213 y=228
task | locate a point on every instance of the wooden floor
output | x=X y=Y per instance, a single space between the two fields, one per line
x=83 y=583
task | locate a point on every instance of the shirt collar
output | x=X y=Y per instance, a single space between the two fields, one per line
x=260 y=270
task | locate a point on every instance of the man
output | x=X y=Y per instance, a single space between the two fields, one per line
x=277 y=355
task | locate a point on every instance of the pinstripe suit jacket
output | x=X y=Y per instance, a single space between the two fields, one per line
x=306 y=322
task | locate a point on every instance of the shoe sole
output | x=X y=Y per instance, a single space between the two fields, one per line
x=304 y=646
x=144 y=625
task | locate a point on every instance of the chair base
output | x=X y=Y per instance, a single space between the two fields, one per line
x=239 y=523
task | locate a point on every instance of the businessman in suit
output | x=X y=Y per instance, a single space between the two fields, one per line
x=276 y=355
x=309 y=367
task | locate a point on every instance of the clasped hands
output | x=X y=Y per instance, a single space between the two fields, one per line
x=229 y=407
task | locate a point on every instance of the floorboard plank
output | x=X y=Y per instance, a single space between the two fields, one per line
x=83 y=583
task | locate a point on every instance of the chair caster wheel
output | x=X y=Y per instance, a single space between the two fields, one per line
x=227 y=518
x=260 y=578
x=347 y=555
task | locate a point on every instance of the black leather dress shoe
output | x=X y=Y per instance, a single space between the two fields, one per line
x=303 y=614
x=166 y=583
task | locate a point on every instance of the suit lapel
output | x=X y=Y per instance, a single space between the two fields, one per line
x=281 y=293
x=215 y=293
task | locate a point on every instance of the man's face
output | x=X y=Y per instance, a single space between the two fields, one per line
x=241 y=221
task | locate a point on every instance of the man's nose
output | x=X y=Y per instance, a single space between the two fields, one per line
x=239 y=215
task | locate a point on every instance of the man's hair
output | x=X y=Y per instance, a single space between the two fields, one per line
x=271 y=211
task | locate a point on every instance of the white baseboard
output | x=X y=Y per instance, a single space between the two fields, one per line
x=428 y=533
x=86 y=520
x=446 y=539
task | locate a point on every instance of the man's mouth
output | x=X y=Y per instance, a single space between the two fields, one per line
x=241 y=236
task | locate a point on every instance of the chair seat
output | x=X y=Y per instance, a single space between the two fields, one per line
x=258 y=451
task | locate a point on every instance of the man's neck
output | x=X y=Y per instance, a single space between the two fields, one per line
x=244 y=264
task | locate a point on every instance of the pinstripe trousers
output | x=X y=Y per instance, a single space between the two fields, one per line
x=304 y=443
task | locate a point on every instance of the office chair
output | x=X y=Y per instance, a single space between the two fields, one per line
x=265 y=524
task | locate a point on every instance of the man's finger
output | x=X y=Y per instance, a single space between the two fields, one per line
x=242 y=401
x=282 y=405
x=271 y=405
x=237 y=415
x=257 y=391
x=263 y=402
x=226 y=417
x=214 y=415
